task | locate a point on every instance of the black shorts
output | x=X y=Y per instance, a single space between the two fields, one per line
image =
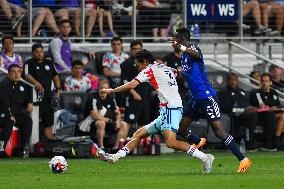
x=110 y=128
x=137 y=112
x=46 y=115
x=207 y=108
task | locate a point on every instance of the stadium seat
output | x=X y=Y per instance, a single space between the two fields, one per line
x=99 y=62
x=74 y=101
x=218 y=79
x=90 y=66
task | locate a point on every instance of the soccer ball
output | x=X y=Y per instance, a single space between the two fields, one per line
x=58 y=164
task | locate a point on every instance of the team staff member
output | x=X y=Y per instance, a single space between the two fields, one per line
x=15 y=103
x=138 y=100
x=267 y=100
x=41 y=73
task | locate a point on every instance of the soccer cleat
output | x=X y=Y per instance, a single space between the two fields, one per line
x=244 y=165
x=208 y=164
x=104 y=156
x=201 y=143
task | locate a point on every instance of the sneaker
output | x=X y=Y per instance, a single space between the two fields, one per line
x=262 y=30
x=104 y=156
x=268 y=149
x=201 y=143
x=274 y=33
x=16 y=20
x=2 y=145
x=208 y=164
x=244 y=165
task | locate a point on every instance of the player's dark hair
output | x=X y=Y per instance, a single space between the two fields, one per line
x=232 y=74
x=64 y=21
x=183 y=33
x=144 y=55
x=253 y=72
x=7 y=37
x=116 y=39
x=268 y=75
x=76 y=62
x=136 y=42
x=13 y=66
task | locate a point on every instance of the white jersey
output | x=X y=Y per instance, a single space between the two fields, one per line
x=163 y=79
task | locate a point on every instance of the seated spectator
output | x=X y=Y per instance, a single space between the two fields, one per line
x=41 y=73
x=267 y=101
x=254 y=7
x=276 y=73
x=234 y=101
x=112 y=61
x=276 y=8
x=16 y=19
x=61 y=48
x=158 y=17
x=77 y=82
x=67 y=8
x=255 y=74
x=104 y=10
x=8 y=57
x=106 y=117
x=16 y=104
x=91 y=14
x=41 y=13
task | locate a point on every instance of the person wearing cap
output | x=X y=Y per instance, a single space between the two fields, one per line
x=41 y=72
x=276 y=73
x=15 y=106
x=7 y=56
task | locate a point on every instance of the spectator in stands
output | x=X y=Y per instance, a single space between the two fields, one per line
x=67 y=8
x=104 y=10
x=91 y=13
x=234 y=101
x=276 y=73
x=138 y=100
x=8 y=57
x=255 y=74
x=41 y=73
x=267 y=101
x=158 y=17
x=254 y=7
x=16 y=104
x=16 y=19
x=269 y=8
x=112 y=61
x=77 y=82
x=173 y=60
x=106 y=117
x=60 y=48
x=41 y=13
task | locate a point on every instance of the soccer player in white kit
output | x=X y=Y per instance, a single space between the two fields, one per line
x=162 y=78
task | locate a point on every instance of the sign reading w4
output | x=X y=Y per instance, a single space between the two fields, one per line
x=212 y=10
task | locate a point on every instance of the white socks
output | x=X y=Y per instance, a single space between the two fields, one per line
x=194 y=152
x=122 y=152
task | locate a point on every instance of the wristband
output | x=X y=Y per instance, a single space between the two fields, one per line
x=183 y=48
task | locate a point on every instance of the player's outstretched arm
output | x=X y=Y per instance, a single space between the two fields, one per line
x=123 y=88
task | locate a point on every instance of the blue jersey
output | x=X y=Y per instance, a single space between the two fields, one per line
x=195 y=74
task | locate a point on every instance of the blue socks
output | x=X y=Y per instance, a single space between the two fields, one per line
x=233 y=147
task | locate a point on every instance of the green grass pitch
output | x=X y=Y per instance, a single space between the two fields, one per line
x=164 y=171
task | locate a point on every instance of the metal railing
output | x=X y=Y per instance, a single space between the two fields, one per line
x=135 y=17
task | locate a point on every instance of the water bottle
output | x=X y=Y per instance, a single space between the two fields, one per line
x=196 y=31
x=243 y=146
x=191 y=29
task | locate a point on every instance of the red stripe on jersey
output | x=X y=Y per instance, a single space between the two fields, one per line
x=153 y=81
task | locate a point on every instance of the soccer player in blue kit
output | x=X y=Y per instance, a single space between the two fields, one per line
x=204 y=100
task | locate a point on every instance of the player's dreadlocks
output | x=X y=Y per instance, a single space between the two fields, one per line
x=146 y=55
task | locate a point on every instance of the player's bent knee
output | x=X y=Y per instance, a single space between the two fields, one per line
x=100 y=124
x=140 y=133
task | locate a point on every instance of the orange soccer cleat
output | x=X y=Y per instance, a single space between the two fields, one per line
x=201 y=143
x=244 y=165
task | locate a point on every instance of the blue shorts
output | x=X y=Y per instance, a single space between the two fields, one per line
x=168 y=119
x=207 y=108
